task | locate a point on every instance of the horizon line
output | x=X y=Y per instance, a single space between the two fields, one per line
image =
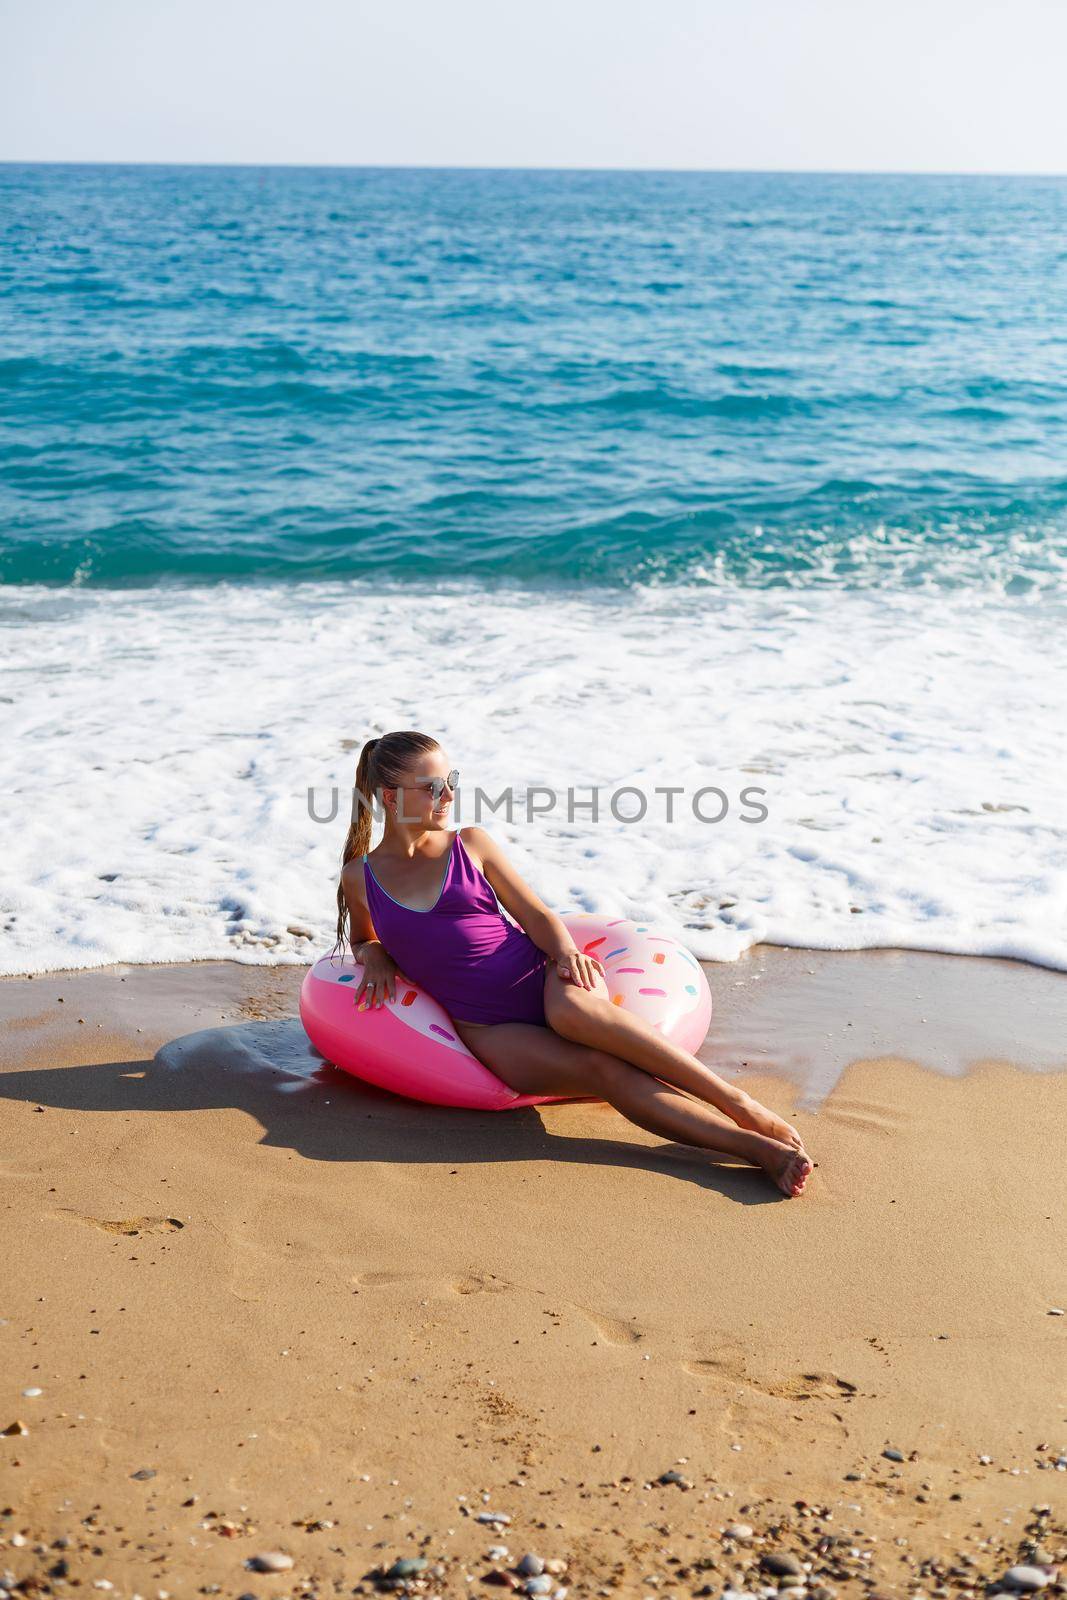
x=403 y=166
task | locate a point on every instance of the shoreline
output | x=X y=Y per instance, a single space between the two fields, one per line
x=800 y=1015
x=259 y=1279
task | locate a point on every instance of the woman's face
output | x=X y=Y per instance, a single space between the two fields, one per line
x=415 y=803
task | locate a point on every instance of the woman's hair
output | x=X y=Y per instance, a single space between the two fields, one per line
x=383 y=763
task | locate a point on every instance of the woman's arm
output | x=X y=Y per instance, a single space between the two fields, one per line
x=548 y=932
x=360 y=927
x=379 y=968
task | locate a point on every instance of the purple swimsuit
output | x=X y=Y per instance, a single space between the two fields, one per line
x=463 y=951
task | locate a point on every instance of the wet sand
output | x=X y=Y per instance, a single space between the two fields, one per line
x=272 y=1309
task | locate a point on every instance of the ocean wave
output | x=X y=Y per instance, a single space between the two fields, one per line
x=708 y=546
x=665 y=403
x=882 y=735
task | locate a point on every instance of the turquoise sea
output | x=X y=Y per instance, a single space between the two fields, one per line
x=554 y=377
x=733 y=482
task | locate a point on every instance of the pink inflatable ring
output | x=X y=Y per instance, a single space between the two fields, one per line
x=410 y=1046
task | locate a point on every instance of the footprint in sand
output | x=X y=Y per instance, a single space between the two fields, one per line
x=811 y=1386
x=795 y=1389
x=802 y=1386
x=611 y=1329
x=754 y=1409
x=130 y=1226
x=471 y=1283
x=475 y=1284
x=767 y=1428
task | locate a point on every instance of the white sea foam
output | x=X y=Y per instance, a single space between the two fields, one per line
x=159 y=744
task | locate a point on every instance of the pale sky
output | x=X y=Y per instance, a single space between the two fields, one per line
x=838 y=85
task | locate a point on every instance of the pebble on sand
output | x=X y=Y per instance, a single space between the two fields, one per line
x=1025 y=1578
x=269 y=1561
x=675 y=1477
x=781 y=1563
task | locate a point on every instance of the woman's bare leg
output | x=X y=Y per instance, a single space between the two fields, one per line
x=587 y=1016
x=661 y=1109
x=533 y=1060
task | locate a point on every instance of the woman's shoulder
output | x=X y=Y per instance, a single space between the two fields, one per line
x=352 y=877
x=479 y=845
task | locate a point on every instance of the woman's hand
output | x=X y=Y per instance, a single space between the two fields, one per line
x=574 y=966
x=379 y=980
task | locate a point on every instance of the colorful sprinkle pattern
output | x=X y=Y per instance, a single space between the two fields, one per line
x=648 y=973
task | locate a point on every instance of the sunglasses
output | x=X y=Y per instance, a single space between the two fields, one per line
x=437 y=786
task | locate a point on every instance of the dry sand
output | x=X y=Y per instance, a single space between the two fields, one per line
x=340 y=1325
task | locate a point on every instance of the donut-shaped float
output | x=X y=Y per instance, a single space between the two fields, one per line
x=410 y=1046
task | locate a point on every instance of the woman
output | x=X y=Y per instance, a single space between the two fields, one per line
x=525 y=1001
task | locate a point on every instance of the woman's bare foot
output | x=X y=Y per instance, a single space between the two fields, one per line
x=789 y=1168
x=757 y=1119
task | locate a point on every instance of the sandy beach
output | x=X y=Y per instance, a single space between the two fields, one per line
x=635 y=439
x=253 y=1307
